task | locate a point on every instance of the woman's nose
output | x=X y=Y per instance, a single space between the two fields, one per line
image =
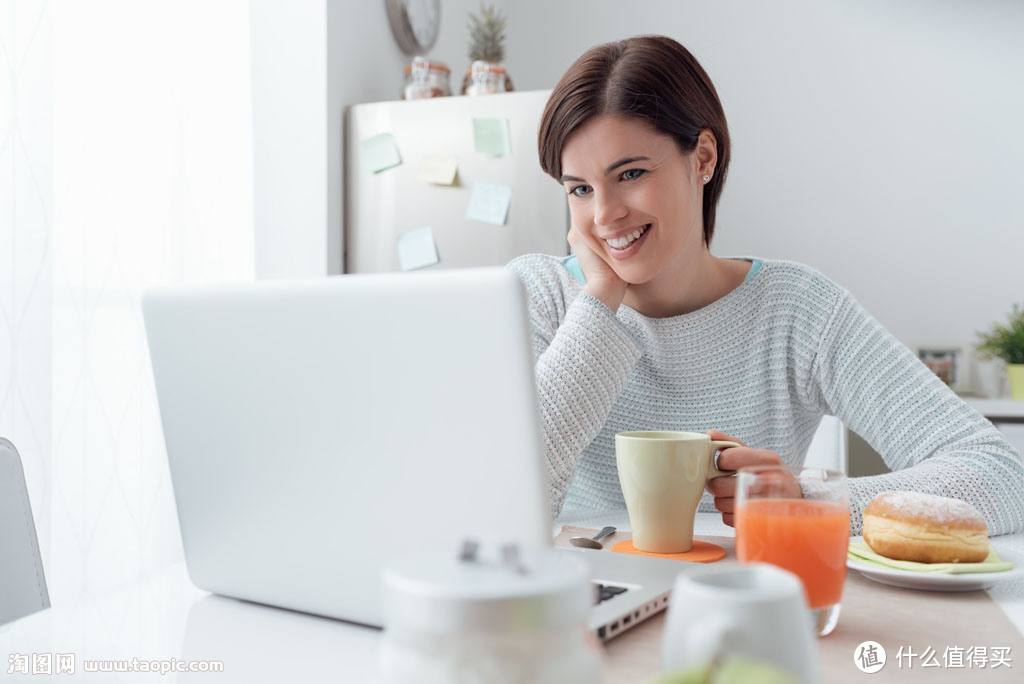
x=608 y=208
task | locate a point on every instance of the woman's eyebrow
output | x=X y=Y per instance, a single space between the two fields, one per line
x=611 y=167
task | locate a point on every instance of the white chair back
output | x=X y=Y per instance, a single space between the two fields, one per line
x=828 y=449
x=23 y=585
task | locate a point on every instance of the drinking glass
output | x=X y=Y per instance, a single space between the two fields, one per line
x=798 y=519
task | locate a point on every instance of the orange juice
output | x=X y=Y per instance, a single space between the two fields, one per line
x=808 y=538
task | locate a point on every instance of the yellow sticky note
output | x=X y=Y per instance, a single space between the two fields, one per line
x=438 y=171
x=490 y=136
x=380 y=152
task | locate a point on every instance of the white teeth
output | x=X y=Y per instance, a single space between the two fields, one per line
x=626 y=240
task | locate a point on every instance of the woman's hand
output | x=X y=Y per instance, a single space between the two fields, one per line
x=734 y=458
x=603 y=283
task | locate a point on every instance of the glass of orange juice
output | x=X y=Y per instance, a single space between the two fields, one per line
x=798 y=519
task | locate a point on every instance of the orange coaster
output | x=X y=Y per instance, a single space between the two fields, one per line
x=702 y=552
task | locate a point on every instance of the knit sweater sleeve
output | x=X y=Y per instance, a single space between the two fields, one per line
x=584 y=357
x=931 y=439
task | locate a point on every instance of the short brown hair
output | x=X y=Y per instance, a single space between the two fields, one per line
x=652 y=78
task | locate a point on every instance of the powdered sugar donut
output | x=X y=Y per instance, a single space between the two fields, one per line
x=925 y=528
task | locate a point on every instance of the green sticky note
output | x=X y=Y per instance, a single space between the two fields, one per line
x=380 y=152
x=490 y=136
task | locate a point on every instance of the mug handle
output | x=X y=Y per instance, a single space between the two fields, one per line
x=716 y=446
x=715 y=637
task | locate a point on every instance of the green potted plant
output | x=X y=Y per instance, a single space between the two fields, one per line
x=1006 y=342
x=486 y=74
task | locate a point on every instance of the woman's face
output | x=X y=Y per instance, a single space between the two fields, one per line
x=634 y=196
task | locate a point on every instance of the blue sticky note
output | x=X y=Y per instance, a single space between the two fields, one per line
x=416 y=249
x=489 y=203
x=490 y=136
x=380 y=152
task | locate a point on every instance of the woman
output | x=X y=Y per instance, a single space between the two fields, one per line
x=645 y=329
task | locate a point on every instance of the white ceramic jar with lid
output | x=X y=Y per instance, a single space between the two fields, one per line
x=508 y=616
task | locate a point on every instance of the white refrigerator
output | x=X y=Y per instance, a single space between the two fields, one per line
x=389 y=205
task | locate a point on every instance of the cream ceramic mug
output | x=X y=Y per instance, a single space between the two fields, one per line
x=662 y=475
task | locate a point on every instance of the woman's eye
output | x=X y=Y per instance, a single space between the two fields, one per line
x=580 y=190
x=633 y=174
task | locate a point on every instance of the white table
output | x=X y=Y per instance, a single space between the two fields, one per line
x=999 y=410
x=166 y=617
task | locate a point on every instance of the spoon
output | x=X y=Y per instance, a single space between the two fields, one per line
x=594 y=543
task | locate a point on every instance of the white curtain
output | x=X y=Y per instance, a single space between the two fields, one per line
x=130 y=167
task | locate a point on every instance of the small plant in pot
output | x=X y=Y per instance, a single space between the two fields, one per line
x=1006 y=342
x=486 y=74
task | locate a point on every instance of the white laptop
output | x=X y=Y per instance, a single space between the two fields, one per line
x=316 y=429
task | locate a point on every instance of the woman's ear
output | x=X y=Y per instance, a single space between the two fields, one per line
x=705 y=155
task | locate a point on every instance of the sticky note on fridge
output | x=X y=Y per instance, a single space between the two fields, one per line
x=416 y=249
x=489 y=203
x=381 y=152
x=438 y=171
x=490 y=136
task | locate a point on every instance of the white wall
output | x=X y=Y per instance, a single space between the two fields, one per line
x=311 y=59
x=289 y=127
x=878 y=141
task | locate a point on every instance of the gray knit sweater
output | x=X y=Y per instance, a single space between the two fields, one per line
x=763 y=363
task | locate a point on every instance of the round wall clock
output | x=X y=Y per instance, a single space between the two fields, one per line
x=415 y=24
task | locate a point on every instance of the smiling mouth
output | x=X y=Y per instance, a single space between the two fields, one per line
x=622 y=243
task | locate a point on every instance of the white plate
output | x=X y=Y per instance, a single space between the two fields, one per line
x=971 y=581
